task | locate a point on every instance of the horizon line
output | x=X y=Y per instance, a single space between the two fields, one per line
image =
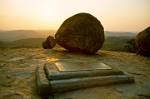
x=56 y=30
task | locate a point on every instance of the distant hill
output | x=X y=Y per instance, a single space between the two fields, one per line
x=117 y=34
x=23 y=34
x=28 y=43
x=115 y=41
x=23 y=43
x=111 y=43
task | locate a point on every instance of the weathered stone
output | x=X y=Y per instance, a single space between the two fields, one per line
x=44 y=89
x=142 y=41
x=49 y=87
x=87 y=82
x=9 y=95
x=81 y=33
x=49 y=43
x=53 y=73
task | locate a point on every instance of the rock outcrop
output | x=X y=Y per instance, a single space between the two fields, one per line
x=49 y=43
x=81 y=33
x=142 y=42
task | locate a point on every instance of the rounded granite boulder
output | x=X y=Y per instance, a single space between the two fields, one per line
x=142 y=42
x=81 y=33
x=49 y=43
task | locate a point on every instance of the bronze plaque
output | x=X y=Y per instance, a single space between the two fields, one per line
x=80 y=66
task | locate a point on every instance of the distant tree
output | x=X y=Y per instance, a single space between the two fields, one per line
x=130 y=46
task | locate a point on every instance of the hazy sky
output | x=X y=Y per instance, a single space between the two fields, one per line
x=115 y=15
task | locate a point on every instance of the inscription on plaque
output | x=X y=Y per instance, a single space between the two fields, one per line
x=80 y=66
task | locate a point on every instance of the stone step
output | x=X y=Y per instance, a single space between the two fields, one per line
x=47 y=87
x=53 y=74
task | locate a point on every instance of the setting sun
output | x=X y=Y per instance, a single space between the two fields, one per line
x=115 y=15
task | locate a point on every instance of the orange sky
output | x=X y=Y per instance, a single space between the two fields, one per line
x=115 y=15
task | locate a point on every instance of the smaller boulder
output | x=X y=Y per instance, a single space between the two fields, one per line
x=49 y=43
x=142 y=42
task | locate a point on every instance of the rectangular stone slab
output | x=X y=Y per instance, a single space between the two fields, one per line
x=49 y=87
x=42 y=83
x=53 y=73
x=86 y=82
x=80 y=66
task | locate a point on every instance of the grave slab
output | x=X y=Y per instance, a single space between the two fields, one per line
x=66 y=75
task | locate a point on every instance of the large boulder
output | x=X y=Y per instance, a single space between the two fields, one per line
x=142 y=41
x=49 y=43
x=81 y=33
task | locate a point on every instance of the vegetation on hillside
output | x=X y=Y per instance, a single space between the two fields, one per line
x=23 y=43
x=114 y=41
x=111 y=43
